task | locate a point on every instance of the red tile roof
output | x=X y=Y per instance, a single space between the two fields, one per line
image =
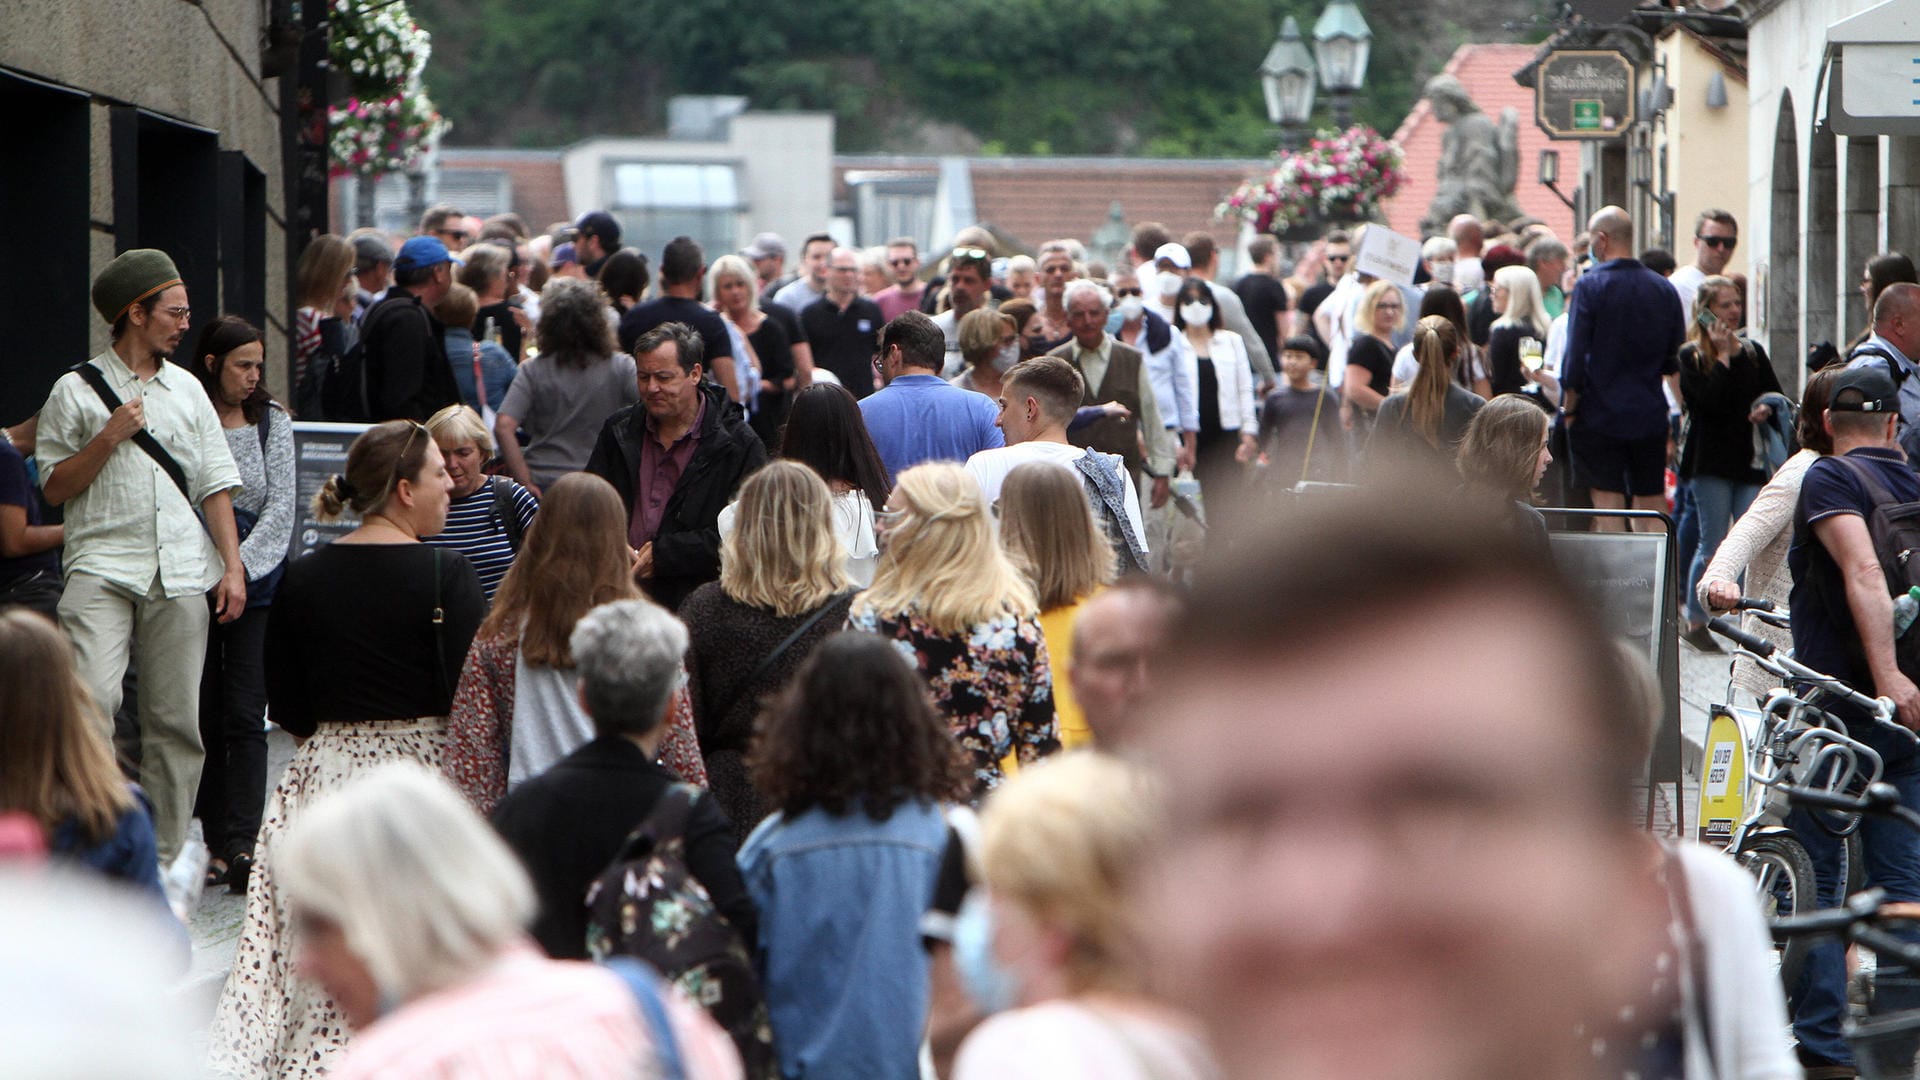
x=1487 y=73
x=1038 y=200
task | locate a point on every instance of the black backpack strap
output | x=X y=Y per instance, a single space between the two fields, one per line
x=266 y=419
x=1876 y=490
x=1898 y=373
x=672 y=813
x=143 y=438
x=504 y=510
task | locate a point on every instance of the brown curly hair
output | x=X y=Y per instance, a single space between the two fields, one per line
x=855 y=729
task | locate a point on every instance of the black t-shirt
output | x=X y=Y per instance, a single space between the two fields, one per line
x=1264 y=298
x=1506 y=374
x=1376 y=357
x=502 y=316
x=771 y=346
x=666 y=309
x=843 y=340
x=789 y=322
x=1480 y=316
x=351 y=634
x=1310 y=301
x=1824 y=637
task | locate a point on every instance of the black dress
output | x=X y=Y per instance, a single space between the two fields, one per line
x=775 y=352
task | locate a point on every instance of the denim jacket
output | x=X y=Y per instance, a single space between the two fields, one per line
x=840 y=899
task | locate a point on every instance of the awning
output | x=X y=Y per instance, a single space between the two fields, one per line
x=1875 y=71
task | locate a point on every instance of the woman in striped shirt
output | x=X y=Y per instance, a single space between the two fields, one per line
x=489 y=514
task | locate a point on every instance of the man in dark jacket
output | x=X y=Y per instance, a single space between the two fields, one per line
x=676 y=459
x=408 y=377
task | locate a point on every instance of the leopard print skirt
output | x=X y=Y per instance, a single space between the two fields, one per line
x=272 y=1021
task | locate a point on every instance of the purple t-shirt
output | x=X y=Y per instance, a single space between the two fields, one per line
x=17 y=490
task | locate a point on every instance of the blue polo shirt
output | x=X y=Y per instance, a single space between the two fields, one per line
x=1624 y=333
x=1824 y=637
x=920 y=418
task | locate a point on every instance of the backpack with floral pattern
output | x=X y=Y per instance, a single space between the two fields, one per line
x=647 y=904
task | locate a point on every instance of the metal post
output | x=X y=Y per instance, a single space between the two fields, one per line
x=1343 y=109
x=363 y=201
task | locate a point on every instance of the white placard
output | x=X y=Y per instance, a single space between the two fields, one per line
x=1882 y=80
x=1386 y=254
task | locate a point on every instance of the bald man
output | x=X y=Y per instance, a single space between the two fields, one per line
x=1623 y=339
x=1467 y=235
x=1895 y=342
x=842 y=323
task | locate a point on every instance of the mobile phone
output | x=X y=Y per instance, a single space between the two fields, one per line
x=1707 y=319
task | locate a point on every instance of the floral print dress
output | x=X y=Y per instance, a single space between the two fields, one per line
x=993 y=684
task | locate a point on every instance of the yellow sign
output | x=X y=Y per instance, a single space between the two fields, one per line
x=1723 y=789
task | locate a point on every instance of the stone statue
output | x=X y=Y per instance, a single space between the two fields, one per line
x=1479 y=162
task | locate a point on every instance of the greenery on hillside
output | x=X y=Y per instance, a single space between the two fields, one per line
x=1158 y=77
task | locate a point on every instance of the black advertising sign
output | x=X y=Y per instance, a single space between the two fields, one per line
x=1584 y=94
x=319 y=451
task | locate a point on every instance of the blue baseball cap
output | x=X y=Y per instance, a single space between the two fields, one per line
x=420 y=252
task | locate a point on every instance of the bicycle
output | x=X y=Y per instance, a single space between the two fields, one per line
x=1884 y=1044
x=1790 y=742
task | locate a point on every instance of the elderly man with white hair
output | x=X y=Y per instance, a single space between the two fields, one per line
x=410 y=913
x=1113 y=371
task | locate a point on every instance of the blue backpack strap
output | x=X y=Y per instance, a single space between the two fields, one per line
x=645 y=986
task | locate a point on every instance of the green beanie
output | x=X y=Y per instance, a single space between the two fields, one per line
x=130 y=278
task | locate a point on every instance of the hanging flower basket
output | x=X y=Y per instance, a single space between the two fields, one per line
x=373 y=138
x=1338 y=178
x=377 y=50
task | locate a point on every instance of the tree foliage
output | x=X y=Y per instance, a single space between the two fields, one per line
x=1162 y=77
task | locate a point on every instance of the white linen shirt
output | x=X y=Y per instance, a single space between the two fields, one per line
x=130 y=525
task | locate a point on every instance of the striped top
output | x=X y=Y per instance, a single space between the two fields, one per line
x=474 y=529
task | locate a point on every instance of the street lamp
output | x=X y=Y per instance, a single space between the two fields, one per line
x=1341 y=44
x=1286 y=77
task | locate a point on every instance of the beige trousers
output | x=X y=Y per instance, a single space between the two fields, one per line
x=168 y=640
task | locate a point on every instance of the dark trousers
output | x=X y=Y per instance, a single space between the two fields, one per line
x=37 y=591
x=233 y=707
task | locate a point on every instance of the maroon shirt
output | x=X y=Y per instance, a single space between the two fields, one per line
x=660 y=471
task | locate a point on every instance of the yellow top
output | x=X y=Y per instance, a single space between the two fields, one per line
x=1056 y=627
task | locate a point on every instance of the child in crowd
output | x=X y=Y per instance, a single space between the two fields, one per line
x=1300 y=433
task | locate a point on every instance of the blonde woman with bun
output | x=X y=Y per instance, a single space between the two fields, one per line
x=945 y=592
x=364 y=647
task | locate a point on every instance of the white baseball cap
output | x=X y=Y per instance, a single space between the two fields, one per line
x=1174 y=253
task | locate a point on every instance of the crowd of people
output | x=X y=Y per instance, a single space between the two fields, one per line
x=909 y=660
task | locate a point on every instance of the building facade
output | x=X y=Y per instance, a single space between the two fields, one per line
x=137 y=123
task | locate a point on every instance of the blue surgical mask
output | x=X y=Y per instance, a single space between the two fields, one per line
x=1113 y=322
x=992 y=987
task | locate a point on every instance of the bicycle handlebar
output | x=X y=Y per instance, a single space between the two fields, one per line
x=1860 y=907
x=1755 y=603
x=1880 y=798
x=1771 y=658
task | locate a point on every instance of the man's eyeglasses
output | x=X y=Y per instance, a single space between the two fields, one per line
x=1724 y=243
x=909 y=261
x=1135 y=291
x=180 y=312
x=455 y=234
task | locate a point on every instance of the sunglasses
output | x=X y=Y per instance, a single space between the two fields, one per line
x=418 y=430
x=971 y=253
x=1724 y=243
x=1128 y=292
x=902 y=262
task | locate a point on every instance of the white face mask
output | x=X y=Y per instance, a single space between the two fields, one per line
x=1006 y=357
x=1441 y=271
x=1169 y=282
x=1131 y=307
x=1196 y=313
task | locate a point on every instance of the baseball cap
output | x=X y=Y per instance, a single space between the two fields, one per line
x=369 y=252
x=1865 y=389
x=766 y=246
x=564 y=255
x=601 y=224
x=1174 y=253
x=421 y=251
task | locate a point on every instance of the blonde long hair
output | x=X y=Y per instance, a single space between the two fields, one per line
x=941 y=559
x=1436 y=342
x=1363 y=319
x=782 y=554
x=1065 y=555
x=1525 y=308
x=54 y=764
x=1703 y=351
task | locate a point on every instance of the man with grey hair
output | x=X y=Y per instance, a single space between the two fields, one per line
x=372 y=271
x=1112 y=371
x=1895 y=342
x=569 y=822
x=1547 y=258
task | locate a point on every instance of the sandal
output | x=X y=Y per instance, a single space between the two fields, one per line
x=217 y=873
x=237 y=875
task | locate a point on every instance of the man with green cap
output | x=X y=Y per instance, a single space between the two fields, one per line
x=135 y=452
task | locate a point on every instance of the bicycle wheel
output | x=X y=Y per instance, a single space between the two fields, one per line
x=1783 y=873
